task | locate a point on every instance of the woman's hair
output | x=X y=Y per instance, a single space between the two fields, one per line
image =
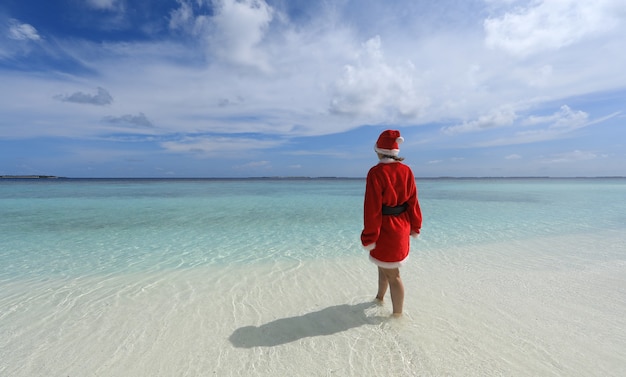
x=392 y=157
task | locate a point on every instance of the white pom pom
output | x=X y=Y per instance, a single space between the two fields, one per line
x=400 y=140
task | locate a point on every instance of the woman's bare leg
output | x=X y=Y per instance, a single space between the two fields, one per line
x=396 y=287
x=383 y=283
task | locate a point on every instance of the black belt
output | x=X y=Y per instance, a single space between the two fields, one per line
x=395 y=211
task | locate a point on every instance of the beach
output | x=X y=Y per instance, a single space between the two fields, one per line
x=549 y=305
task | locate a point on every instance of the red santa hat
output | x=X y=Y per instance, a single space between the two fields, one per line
x=387 y=143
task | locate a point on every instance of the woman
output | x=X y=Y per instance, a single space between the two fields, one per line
x=391 y=215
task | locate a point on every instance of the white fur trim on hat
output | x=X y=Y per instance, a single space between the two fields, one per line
x=387 y=152
x=388 y=143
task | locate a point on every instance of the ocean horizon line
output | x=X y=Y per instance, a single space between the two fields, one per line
x=54 y=177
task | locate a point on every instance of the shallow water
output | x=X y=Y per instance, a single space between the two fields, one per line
x=266 y=278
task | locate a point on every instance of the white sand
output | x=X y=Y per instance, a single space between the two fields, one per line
x=515 y=309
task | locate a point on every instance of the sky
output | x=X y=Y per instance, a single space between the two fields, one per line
x=264 y=88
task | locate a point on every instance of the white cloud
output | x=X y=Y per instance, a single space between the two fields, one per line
x=113 y=5
x=264 y=165
x=240 y=26
x=574 y=156
x=22 y=32
x=550 y=127
x=543 y=25
x=499 y=118
x=233 y=33
x=182 y=17
x=376 y=89
x=565 y=118
x=205 y=146
x=513 y=157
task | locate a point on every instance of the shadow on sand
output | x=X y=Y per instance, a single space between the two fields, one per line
x=327 y=321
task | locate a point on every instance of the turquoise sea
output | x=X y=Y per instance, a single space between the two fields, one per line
x=266 y=277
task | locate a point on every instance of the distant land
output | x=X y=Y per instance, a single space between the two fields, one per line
x=28 y=177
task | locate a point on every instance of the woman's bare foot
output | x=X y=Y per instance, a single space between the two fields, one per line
x=378 y=300
x=396 y=315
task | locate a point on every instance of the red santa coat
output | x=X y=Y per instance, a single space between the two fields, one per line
x=387 y=237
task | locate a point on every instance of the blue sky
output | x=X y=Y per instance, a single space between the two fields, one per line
x=244 y=88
